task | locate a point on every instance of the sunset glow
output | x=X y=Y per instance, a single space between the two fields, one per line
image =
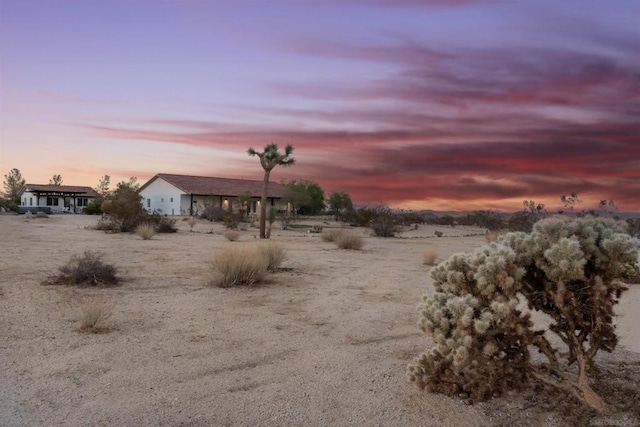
x=421 y=104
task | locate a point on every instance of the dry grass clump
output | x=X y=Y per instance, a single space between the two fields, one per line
x=88 y=269
x=492 y=236
x=192 y=221
x=331 y=234
x=241 y=266
x=41 y=214
x=232 y=235
x=28 y=216
x=349 y=241
x=274 y=255
x=145 y=230
x=429 y=257
x=94 y=315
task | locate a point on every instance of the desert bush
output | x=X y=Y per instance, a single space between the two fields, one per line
x=438 y=233
x=94 y=314
x=122 y=209
x=232 y=235
x=41 y=214
x=568 y=269
x=94 y=207
x=145 y=230
x=28 y=216
x=491 y=236
x=429 y=257
x=212 y=212
x=331 y=234
x=274 y=254
x=633 y=226
x=241 y=266
x=349 y=241
x=88 y=269
x=164 y=224
x=192 y=221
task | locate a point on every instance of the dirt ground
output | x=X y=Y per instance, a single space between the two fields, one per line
x=326 y=341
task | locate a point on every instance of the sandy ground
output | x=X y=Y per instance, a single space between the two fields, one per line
x=325 y=341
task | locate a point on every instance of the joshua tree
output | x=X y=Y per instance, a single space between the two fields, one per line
x=56 y=180
x=269 y=159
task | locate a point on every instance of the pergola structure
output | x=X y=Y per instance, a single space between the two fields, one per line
x=68 y=193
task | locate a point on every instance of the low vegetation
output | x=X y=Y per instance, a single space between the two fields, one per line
x=331 y=234
x=88 y=269
x=238 y=266
x=232 y=235
x=274 y=254
x=569 y=269
x=145 y=230
x=94 y=315
x=349 y=241
x=429 y=257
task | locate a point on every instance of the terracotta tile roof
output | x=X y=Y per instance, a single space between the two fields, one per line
x=58 y=189
x=205 y=186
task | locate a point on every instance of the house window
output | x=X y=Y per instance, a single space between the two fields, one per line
x=52 y=201
x=161 y=199
x=82 y=202
x=30 y=201
x=148 y=203
x=172 y=200
x=24 y=201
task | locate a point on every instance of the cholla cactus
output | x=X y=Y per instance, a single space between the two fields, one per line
x=570 y=269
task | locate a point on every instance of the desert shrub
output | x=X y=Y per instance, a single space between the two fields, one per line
x=241 y=266
x=490 y=220
x=522 y=221
x=633 y=226
x=231 y=220
x=164 y=224
x=274 y=254
x=123 y=210
x=429 y=257
x=145 y=230
x=569 y=269
x=41 y=214
x=349 y=241
x=94 y=314
x=491 y=236
x=28 y=216
x=94 y=207
x=192 y=221
x=438 y=233
x=87 y=269
x=232 y=235
x=331 y=234
x=212 y=212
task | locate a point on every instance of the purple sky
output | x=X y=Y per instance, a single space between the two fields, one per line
x=462 y=104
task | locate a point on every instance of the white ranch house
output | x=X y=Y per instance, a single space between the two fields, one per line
x=55 y=198
x=169 y=194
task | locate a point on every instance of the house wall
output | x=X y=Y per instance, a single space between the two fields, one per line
x=162 y=197
x=30 y=200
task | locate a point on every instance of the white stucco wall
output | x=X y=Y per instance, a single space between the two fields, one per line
x=161 y=197
x=30 y=200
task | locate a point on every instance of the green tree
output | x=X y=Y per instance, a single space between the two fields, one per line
x=95 y=206
x=306 y=197
x=123 y=208
x=56 y=180
x=340 y=203
x=103 y=186
x=269 y=159
x=13 y=183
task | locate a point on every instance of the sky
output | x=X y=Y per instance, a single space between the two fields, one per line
x=415 y=104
